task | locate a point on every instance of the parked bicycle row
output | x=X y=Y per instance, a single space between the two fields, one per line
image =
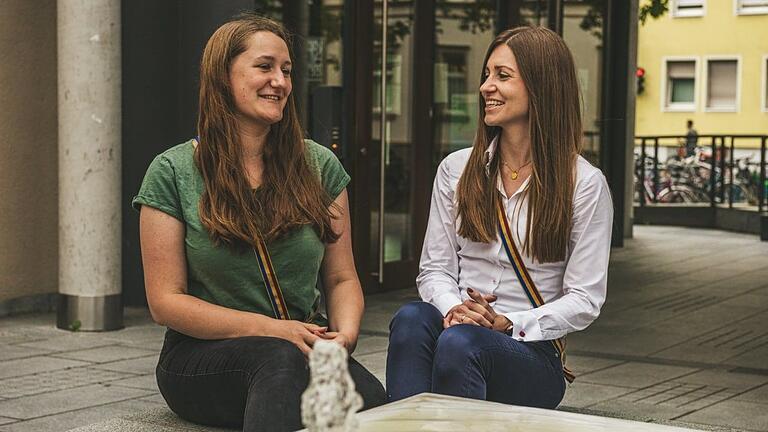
x=701 y=175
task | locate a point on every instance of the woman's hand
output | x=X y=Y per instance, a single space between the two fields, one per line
x=347 y=341
x=303 y=335
x=477 y=311
x=472 y=311
x=498 y=322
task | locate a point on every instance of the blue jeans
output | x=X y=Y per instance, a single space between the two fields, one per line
x=468 y=361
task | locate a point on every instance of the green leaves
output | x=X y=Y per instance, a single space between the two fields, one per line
x=653 y=8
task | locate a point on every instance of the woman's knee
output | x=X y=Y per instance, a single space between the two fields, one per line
x=456 y=345
x=413 y=314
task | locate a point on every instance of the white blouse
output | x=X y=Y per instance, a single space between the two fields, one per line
x=573 y=290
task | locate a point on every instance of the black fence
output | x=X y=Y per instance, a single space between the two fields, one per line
x=705 y=174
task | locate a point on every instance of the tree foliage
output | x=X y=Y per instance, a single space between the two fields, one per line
x=653 y=8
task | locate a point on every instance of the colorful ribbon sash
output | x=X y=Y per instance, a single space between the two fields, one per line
x=525 y=280
x=274 y=292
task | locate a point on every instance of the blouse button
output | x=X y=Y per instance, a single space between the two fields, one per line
x=522 y=333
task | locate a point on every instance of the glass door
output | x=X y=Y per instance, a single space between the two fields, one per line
x=392 y=254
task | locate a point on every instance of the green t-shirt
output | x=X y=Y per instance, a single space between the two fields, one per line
x=225 y=277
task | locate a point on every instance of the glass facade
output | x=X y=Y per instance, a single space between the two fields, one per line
x=428 y=81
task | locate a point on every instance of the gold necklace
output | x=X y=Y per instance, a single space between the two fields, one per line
x=515 y=172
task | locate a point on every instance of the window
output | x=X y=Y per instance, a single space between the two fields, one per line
x=688 y=8
x=451 y=84
x=722 y=85
x=681 y=85
x=394 y=83
x=751 y=7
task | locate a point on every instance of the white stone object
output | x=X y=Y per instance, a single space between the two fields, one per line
x=330 y=402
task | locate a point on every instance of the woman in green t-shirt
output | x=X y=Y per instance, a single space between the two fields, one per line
x=248 y=200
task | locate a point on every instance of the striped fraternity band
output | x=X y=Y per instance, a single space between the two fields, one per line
x=270 y=281
x=525 y=280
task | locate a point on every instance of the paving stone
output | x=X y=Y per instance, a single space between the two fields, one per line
x=626 y=340
x=758 y=395
x=582 y=394
x=77 y=418
x=732 y=413
x=60 y=379
x=140 y=366
x=10 y=352
x=18 y=367
x=738 y=382
x=146 y=382
x=69 y=341
x=147 y=336
x=157 y=419
x=156 y=399
x=8 y=338
x=710 y=318
x=755 y=359
x=29 y=407
x=164 y=418
x=636 y=375
x=582 y=365
x=724 y=344
x=676 y=395
x=638 y=411
x=106 y=354
x=376 y=321
x=120 y=424
x=376 y=364
x=370 y=344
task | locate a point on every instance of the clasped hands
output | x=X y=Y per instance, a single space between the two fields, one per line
x=477 y=311
x=304 y=335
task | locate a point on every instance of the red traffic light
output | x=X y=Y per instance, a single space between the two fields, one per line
x=640 y=72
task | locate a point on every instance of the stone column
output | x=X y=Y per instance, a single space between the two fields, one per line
x=89 y=87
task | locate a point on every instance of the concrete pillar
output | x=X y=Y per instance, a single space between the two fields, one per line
x=89 y=165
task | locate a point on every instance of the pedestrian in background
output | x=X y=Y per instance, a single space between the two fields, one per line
x=691 y=139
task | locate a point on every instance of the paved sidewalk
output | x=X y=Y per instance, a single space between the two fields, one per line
x=682 y=340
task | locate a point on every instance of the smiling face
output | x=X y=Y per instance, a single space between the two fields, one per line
x=504 y=92
x=260 y=79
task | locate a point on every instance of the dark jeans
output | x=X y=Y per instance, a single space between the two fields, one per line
x=251 y=382
x=468 y=361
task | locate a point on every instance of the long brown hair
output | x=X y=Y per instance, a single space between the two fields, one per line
x=554 y=120
x=291 y=194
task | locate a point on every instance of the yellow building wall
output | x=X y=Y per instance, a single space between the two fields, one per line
x=720 y=32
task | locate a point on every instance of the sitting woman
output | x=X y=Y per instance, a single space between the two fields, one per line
x=516 y=250
x=236 y=225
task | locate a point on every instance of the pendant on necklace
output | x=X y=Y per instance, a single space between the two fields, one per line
x=514 y=175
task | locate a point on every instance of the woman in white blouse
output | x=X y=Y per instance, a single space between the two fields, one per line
x=516 y=251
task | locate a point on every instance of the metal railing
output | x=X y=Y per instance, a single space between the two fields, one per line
x=711 y=175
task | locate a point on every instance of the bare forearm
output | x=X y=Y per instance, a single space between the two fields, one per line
x=345 y=307
x=200 y=319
